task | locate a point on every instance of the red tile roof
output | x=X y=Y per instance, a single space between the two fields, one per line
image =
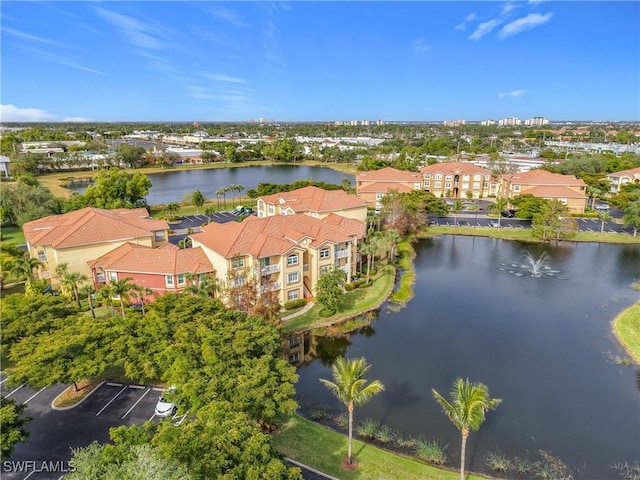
x=315 y=199
x=377 y=187
x=625 y=173
x=543 y=177
x=262 y=237
x=554 y=191
x=90 y=226
x=388 y=174
x=455 y=168
x=166 y=260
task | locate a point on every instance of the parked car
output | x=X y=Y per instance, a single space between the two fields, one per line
x=166 y=407
x=494 y=224
x=602 y=207
x=508 y=213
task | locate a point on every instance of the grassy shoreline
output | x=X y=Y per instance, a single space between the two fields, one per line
x=626 y=327
x=322 y=448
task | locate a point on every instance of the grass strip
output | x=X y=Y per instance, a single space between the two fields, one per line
x=626 y=326
x=324 y=449
x=404 y=292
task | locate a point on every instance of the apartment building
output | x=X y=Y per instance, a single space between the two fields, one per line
x=285 y=254
x=618 y=179
x=78 y=237
x=373 y=185
x=313 y=201
x=161 y=270
x=455 y=179
x=567 y=189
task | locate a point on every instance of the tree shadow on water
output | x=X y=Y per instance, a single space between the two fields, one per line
x=398 y=395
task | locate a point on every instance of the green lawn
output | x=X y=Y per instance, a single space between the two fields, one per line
x=13 y=235
x=627 y=329
x=355 y=302
x=324 y=449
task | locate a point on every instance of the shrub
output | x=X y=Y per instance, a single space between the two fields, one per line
x=497 y=461
x=350 y=286
x=368 y=429
x=627 y=471
x=522 y=466
x=406 y=442
x=319 y=412
x=431 y=451
x=293 y=304
x=326 y=313
x=342 y=420
x=384 y=434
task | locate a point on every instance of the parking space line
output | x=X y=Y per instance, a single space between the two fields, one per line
x=111 y=401
x=34 y=395
x=154 y=414
x=32 y=472
x=134 y=405
x=113 y=384
x=7 y=396
x=140 y=387
x=4 y=380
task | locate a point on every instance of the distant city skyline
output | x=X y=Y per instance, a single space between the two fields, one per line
x=319 y=61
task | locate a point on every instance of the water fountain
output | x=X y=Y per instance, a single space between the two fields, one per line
x=535 y=267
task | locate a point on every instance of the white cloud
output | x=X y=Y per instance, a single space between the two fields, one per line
x=61 y=60
x=137 y=33
x=469 y=18
x=508 y=7
x=484 y=29
x=525 y=23
x=420 y=46
x=75 y=120
x=228 y=16
x=513 y=94
x=11 y=113
x=30 y=38
x=221 y=77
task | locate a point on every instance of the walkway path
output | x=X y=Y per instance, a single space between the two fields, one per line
x=304 y=309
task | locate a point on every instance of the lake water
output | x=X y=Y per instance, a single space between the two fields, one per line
x=173 y=185
x=541 y=343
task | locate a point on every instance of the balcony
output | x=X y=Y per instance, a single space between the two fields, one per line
x=342 y=253
x=270 y=287
x=269 y=269
x=101 y=278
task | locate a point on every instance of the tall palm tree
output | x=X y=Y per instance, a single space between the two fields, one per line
x=206 y=286
x=457 y=208
x=394 y=238
x=222 y=192
x=71 y=280
x=497 y=207
x=368 y=250
x=351 y=388
x=604 y=218
x=121 y=289
x=469 y=402
x=89 y=291
x=140 y=292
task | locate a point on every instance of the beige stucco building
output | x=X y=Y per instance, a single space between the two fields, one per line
x=618 y=179
x=78 y=237
x=373 y=185
x=313 y=201
x=286 y=254
x=567 y=189
x=455 y=179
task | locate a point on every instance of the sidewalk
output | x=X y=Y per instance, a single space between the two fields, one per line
x=304 y=309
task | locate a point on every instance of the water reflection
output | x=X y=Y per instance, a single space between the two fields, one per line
x=540 y=345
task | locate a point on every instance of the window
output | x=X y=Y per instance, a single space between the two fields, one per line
x=438 y=184
x=293 y=277
x=181 y=279
x=477 y=177
x=169 y=280
x=485 y=185
x=237 y=263
x=465 y=186
x=516 y=188
x=465 y=177
x=438 y=176
x=238 y=281
x=42 y=256
x=427 y=183
x=416 y=186
x=113 y=276
x=292 y=295
x=447 y=185
x=271 y=209
x=563 y=201
x=379 y=196
x=427 y=175
x=292 y=259
x=159 y=236
x=476 y=184
x=449 y=177
x=325 y=253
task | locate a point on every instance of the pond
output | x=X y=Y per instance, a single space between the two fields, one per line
x=173 y=185
x=539 y=338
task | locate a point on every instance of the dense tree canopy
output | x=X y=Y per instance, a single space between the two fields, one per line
x=21 y=203
x=115 y=188
x=12 y=426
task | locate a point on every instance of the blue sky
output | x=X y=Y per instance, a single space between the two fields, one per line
x=319 y=61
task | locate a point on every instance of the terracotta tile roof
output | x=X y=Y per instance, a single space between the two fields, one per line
x=625 y=173
x=276 y=235
x=388 y=174
x=554 y=191
x=166 y=260
x=543 y=177
x=90 y=226
x=377 y=187
x=454 y=168
x=315 y=199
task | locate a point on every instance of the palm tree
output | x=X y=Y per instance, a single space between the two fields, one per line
x=23 y=267
x=604 y=218
x=141 y=292
x=497 y=207
x=457 y=208
x=368 y=250
x=206 y=286
x=222 y=192
x=469 y=402
x=236 y=187
x=394 y=237
x=121 y=289
x=351 y=388
x=71 y=280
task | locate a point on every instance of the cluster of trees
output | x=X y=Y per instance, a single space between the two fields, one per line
x=226 y=365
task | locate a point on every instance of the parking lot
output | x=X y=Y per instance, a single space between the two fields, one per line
x=53 y=433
